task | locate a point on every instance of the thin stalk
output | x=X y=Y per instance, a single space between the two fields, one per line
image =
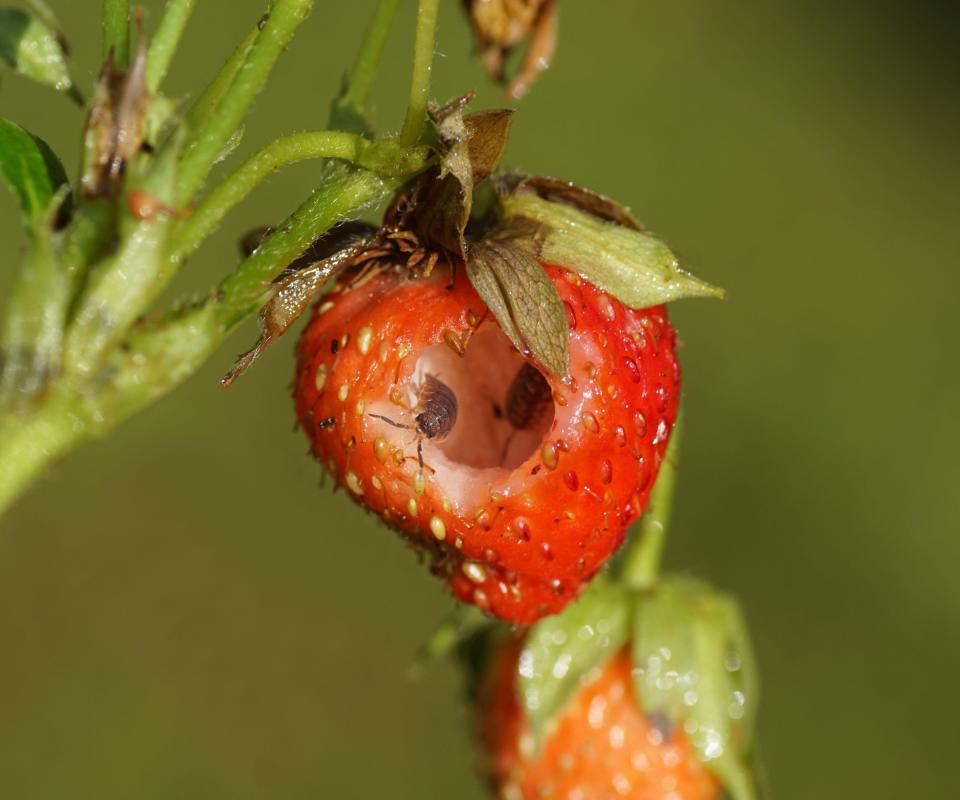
x=641 y=566
x=207 y=144
x=165 y=40
x=349 y=109
x=116 y=31
x=343 y=193
x=422 y=67
x=205 y=106
x=380 y=157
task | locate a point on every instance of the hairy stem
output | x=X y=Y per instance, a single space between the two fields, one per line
x=283 y=152
x=116 y=31
x=348 y=111
x=207 y=144
x=422 y=68
x=205 y=106
x=641 y=567
x=165 y=40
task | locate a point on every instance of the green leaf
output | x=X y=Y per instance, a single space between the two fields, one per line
x=693 y=665
x=33 y=49
x=30 y=168
x=523 y=299
x=561 y=651
x=633 y=266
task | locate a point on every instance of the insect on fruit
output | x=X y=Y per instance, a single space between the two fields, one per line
x=437 y=416
x=527 y=397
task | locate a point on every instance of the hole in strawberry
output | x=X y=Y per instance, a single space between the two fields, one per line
x=483 y=437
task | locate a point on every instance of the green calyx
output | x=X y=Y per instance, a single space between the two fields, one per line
x=593 y=236
x=693 y=668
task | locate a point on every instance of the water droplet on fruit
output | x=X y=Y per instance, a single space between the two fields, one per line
x=662 y=431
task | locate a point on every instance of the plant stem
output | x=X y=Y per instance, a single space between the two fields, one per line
x=116 y=31
x=205 y=106
x=381 y=157
x=641 y=566
x=165 y=40
x=422 y=67
x=344 y=191
x=278 y=29
x=348 y=110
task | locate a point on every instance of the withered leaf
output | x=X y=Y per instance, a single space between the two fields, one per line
x=299 y=285
x=523 y=300
x=568 y=192
x=116 y=125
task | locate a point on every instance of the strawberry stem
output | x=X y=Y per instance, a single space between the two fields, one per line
x=165 y=40
x=422 y=68
x=348 y=111
x=641 y=564
x=116 y=31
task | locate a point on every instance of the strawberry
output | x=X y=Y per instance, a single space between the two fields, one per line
x=601 y=745
x=522 y=494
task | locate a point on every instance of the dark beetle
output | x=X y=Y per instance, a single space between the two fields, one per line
x=527 y=397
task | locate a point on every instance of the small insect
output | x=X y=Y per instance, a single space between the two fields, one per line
x=327 y=422
x=527 y=397
x=437 y=413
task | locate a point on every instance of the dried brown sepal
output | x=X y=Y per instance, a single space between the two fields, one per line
x=523 y=299
x=115 y=127
x=561 y=191
x=501 y=25
x=349 y=244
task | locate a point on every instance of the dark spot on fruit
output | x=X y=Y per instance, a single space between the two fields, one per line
x=334 y=346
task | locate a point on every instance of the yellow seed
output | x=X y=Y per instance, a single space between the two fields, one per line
x=381 y=449
x=445 y=502
x=404 y=350
x=377 y=483
x=344 y=391
x=474 y=571
x=438 y=529
x=419 y=483
x=458 y=542
x=364 y=339
x=590 y=423
x=384 y=352
x=344 y=340
x=321 y=377
x=549 y=455
x=360 y=406
x=412 y=507
x=325 y=307
x=353 y=482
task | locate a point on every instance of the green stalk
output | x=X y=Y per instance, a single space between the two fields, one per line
x=165 y=40
x=116 y=31
x=342 y=194
x=348 y=111
x=422 y=67
x=641 y=566
x=206 y=105
x=207 y=143
x=381 y=157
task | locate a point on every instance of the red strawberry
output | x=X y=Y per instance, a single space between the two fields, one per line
x=600 y=746
x=516 y=520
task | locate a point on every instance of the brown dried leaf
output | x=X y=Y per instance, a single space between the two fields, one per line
x=523 y=300
x=115 y=127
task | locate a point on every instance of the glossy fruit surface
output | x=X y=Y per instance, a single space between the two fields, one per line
x=600 y=747
x=515 y=519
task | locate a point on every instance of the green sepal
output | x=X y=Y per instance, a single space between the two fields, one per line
x=31 y=170
x=693 y=665
x=33 y=49
x=633 y=266
x=561 y=652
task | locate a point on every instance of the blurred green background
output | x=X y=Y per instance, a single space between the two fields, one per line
x=184 y=613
